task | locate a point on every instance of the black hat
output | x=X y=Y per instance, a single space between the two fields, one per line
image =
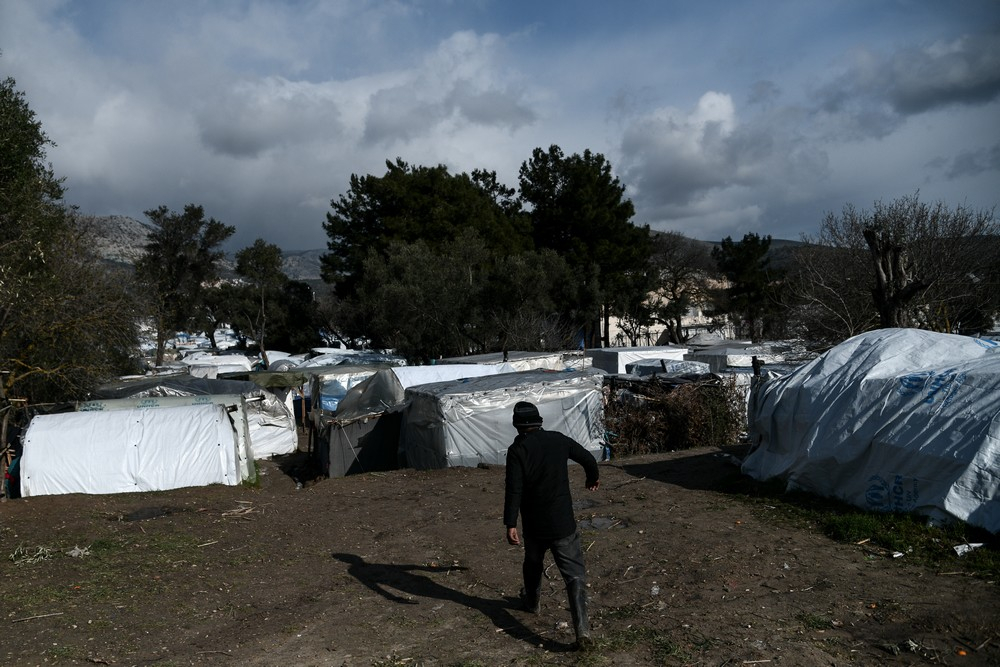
x=526 y=414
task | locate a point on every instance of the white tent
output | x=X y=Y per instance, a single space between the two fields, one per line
x=270 y=420
x=206 y=365
x=386 y=388
x=129 y=450
x=466 y=423
x=363 y=434
x=615 y=359
x=890 y=420
x=236 y=409
x=515 y=360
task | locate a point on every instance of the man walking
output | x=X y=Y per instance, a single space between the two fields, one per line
x=537 y=487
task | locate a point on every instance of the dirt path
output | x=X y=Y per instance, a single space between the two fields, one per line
x=411 y=568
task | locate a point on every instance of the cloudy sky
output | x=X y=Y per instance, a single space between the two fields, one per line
x=721 y=118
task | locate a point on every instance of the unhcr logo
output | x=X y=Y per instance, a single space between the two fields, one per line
x=882 y=496
x=934 y=384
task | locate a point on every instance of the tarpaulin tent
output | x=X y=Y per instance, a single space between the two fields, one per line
x=516 y=360
x=468 y=422
x=363 y=434
x=204 y=364
x=645 y=367
x=129 y=450
x=236 y=409
x=891 y=420
x=271 y=423
x=615 y=359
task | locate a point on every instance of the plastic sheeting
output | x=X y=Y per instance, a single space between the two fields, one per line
x=517 y=361
x=891 y=420
x=645 y=367
x=469 y=422
x=271 y=422
x=236 y=409
x=129 y=450
x=386 y=388
x=615 y=359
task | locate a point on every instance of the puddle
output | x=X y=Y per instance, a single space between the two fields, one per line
x=602 y=523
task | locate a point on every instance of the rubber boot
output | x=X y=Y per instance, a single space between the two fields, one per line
x=577 y=592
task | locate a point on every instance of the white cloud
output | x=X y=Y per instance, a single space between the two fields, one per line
x=710 y=169
x=758 y=119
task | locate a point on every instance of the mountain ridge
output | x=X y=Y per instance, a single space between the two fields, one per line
x=122 y=240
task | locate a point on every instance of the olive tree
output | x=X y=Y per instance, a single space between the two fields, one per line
x=902 y=263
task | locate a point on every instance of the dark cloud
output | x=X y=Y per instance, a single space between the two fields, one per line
x=763 y=93
x=678 y=162
x=489 y=107
x=966 y=71
x=408 y=111
x=252 y=119
x=397 y=114
x=875 y=95
x=973 y=163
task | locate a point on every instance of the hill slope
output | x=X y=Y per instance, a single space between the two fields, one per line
x=122 y=239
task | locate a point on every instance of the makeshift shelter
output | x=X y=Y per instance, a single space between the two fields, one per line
x=363 y=434
x=270 y=420
x=468 y=422
x=645 y=367
x=615 y=359
x=890 y=420
x=204 y=364
x=734 y=355
x=236 y=409
x=119 y=451
x=517 y=361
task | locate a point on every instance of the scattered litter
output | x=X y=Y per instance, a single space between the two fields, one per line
x=77 y=552
x=962 y=549
x=242 y=511
x=897 y=554
x=655 y=590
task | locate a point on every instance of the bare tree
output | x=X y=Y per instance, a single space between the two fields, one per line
x=684 y=270
x=904 y=263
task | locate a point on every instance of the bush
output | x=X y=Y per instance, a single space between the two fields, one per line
x=646 y=417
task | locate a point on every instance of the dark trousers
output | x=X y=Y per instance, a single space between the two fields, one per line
x=568 y=556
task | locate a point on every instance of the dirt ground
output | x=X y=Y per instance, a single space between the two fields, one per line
x=411 y=568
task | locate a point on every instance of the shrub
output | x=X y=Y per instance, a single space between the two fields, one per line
x=657 y=415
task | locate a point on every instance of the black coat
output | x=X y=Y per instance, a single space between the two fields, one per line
x=537 y=483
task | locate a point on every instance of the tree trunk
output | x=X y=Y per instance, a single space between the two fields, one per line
x=895 y=286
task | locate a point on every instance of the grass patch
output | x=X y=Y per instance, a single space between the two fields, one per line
x=660 y=646
x=811 y=621
x=618 y=613
x=882 y=534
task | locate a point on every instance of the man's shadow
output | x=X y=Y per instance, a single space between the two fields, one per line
x=382 y=577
